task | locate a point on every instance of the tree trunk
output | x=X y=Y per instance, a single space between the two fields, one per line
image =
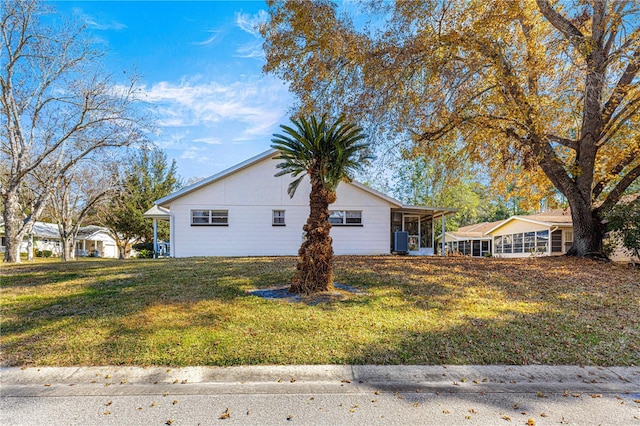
x=587 y=231
x=315 y=257
x=67 y=248
x=13 y=237
x=30 y=248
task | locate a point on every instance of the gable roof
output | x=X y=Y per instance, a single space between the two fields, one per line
x=270 y=154
x=157 y=212
x=475 y=231
x=218 y=176
x=557 y=217
x=48 y=230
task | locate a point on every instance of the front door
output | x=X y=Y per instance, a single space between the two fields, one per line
x=412 y=227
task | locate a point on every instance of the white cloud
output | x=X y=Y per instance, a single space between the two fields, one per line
x=209 y=141
x=211 y=39
x=92 y=22
x=251 y=50
x=250 y=108
x=250 y=23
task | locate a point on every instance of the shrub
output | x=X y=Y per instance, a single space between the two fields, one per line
x=44 y=253
x=145 y=254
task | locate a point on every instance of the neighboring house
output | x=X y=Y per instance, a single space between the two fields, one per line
x=95 y=241
x=246 y=211
x=545 y=234
x=90 y=241
x=471 y=240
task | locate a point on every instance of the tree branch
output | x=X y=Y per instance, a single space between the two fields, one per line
x=618 y=191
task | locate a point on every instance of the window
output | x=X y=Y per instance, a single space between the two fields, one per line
x=517 y=243
x=345 y=217
x=497 y=245
x=542 y=241
x=507 y=243
x=529 y=242
x=278 y=218
x=568 y=240
x=209 y=217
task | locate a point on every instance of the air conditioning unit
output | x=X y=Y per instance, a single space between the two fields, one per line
x=401 y=242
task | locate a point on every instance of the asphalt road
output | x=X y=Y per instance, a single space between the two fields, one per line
x=321 y=395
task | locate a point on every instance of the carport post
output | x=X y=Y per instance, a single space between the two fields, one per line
x=155 y=237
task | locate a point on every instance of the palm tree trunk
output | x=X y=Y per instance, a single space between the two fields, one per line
x=315 y=257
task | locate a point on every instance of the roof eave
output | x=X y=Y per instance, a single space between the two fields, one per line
x=240 y=166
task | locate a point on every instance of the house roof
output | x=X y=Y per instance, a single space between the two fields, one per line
x=204 y=182
x=270 y=154
x=473 y=232
x=45 y=230
x=48 y=230
x=157 y=212
x=557 y=217
x=88 y=232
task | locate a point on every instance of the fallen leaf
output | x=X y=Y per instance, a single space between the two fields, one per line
x=596 y=395
x=109 y=403
x=175 y=401
x=225 y=415
x=507 y=418
x=531 y=422
x=543 y=415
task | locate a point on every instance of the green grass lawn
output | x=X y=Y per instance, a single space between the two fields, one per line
x=179 y=312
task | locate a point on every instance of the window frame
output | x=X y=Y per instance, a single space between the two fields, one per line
x=211 y=215
x=345 y=218
x=274 y=217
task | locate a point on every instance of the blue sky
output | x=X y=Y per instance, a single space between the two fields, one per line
x=201 y=68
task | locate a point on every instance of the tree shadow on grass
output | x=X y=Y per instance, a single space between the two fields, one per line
x=38 y=320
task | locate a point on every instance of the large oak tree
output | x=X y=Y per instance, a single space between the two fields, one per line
x=537 y=89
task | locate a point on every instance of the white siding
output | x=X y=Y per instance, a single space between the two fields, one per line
x=250 y=195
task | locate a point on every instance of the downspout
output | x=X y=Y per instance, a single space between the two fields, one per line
x=442 y=240
x=172 y=225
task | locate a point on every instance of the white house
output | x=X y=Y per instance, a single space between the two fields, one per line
x=92 y=241
x=246 y=211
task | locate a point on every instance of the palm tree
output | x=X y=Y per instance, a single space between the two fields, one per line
x=329 y=154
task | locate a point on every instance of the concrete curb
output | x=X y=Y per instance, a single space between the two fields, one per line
x=43 y=381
